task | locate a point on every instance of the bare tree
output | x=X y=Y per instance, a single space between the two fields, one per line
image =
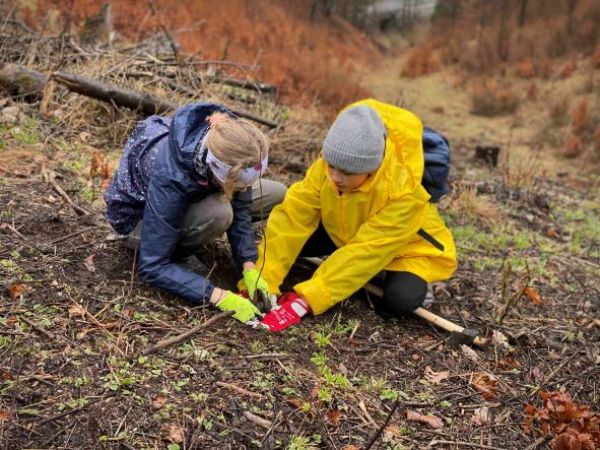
x=522 y=13
x=503 y=34
x=571 y=5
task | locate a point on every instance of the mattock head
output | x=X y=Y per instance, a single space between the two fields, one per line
x=466 y=336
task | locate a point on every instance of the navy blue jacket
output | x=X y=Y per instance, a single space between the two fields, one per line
x=157 y=180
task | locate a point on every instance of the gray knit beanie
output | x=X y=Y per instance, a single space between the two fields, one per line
x=356 y=141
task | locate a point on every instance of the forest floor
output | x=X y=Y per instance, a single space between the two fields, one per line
x=75 y=320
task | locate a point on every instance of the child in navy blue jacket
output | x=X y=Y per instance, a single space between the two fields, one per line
x=183 y=181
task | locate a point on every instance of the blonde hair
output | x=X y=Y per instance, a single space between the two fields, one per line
x=238 y=143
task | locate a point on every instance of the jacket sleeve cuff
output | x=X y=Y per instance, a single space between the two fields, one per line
x=316 y=294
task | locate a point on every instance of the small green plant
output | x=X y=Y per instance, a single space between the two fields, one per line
x=122 y=378
x=325 y=395
x=300 y=443
x=81 y=381
x=179 y=385
x=256 y=346
x=321 y=339
x=73 y=403
x=6 y=387
x=207 y=424
x=28 y=134
x=199 y=397
x=264 y=381
x=343 y=329
x=5 y=341
x=319 y=359
x=388 y=393
x=334 y=379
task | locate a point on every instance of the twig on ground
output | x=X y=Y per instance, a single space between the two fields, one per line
x=78 y=209
x=69 y=236
x=68 y=411
x=183 y=336
x=257 y=420
x=38 y=328
x=382 y=427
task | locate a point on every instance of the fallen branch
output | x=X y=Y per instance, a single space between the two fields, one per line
x=257 y=420
x=19 y=80
x=246 y=115
x=38 y=328
x=78 y=209
x=382 y=427
x=183 y=336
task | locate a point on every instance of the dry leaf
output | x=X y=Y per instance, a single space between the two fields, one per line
x=485 y=383
x=536 y=373
x=5 y=415
x=481 y=416
x=503 y=417
x=89 y=263
x=175 y=433
x=82 y=334
x=469 y=353
x=351 y=447
x=84 y=136
x=76 y=311
x=95 y=164
x=333 y=417
x=573 y=440
x=106 y=176
x=500 y=340
x=431 y=420
x=159 y=401
x=393 y=431
x=533 y=296
x=435 y=377
x=17 y=290
x=295 y=402
x=509 y=362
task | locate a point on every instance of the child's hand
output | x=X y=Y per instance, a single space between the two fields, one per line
x=254 y=282
x=245 y=310
x=289 y=312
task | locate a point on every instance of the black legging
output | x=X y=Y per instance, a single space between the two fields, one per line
x=403 y=292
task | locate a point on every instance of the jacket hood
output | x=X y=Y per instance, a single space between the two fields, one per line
x=188 y=127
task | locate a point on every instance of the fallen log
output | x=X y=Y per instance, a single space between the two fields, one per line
x=19 y=81
x=263 y=88
x=148 y=104
x=22 y=81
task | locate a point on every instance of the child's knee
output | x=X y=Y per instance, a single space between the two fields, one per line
x=403 y=292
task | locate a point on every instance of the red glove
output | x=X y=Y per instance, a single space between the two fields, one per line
x=289 y=312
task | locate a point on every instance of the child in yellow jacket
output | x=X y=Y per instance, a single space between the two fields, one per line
x=363 y=204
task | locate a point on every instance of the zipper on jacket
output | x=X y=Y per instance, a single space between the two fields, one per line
x=345 y=237
x=429 y=238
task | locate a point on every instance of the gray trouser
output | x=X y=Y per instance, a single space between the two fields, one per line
x=210 y=217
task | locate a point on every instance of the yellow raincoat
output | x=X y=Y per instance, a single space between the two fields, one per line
x=387 y=223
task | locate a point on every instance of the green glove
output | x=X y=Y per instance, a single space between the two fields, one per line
x=254 y=281
x=244 y=308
